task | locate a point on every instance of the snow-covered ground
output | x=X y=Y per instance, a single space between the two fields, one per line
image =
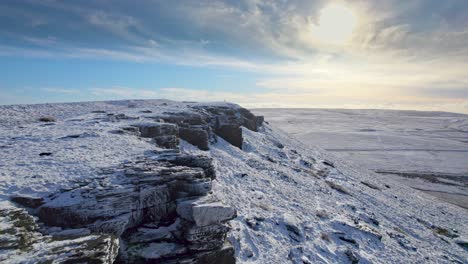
x=426 y=150
x=295 y=203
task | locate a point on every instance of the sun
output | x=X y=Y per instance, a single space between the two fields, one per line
x=335 y=25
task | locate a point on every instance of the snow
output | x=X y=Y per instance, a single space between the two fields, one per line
x=73 y=159
x=429 y=147
x=274 y=191
x=286 y=209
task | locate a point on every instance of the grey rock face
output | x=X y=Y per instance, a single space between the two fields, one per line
x=224 y=121
x=31 y=202
x=164 y=134
x=197 y=136
x=152 y=130
x=21 y=239
x=159 y=208
x=231 y=133
x=205 y=212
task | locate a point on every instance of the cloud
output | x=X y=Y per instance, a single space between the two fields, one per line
x=61 y=90
x=406 y=50
x=118 y=92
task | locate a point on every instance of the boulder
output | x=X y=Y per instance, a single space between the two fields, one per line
x=205 y=212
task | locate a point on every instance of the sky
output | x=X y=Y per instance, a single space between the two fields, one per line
x=393 y=54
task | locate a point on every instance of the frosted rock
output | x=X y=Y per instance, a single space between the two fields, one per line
x=196 y=136
x=156 y=129
x=155 y=251
x=21 y=241
x=293 y=225
x=205 y=213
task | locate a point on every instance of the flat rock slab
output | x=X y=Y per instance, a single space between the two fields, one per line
x=205 y=213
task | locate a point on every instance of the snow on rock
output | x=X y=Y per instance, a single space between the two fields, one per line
x=22 y=242
x=216 y=185
x=157 y=201
x=205 y=212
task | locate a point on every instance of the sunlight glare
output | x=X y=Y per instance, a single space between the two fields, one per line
x=336 y=24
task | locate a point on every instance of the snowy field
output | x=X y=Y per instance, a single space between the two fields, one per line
x=295 y=203
x=426 y=150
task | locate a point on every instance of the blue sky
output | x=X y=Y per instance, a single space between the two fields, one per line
x=276 y=53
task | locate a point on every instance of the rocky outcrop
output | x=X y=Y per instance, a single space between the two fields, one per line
x=164 y=134
x=159 y=206
x=196 y=135
x=21 y=239
x=200 y=127
x=226 y=122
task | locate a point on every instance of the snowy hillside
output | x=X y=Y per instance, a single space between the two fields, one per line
x=425 y=150
x=275 y=199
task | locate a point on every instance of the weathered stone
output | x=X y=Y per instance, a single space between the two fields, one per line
x=152 y=130
x=224 y=255
x=260 y=120
x=155 y=252
x=20 y=238
x=205 y=212
x=141 y=207
x=231 y=133
x=160 y=206
x=69 y=233
x=224 y=121
x=196 y=136
x=206 y=237
x=169 y=142
x=181 y=189
x=147 y=234
x=292 y=224
x=199 y=161
x=183 y=119
x=31 y=202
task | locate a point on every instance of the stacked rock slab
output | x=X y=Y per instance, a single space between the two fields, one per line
x=200 y=127
x=165 y=135
x=160 y=207
x=21 y=239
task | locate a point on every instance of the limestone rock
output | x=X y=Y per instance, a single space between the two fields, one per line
x=21 y=241
x=223 y=121
x=156 y=129
x=159 y=208
x=232 y=134
x=205 y=213
x=196 y=136
x=31 y=202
